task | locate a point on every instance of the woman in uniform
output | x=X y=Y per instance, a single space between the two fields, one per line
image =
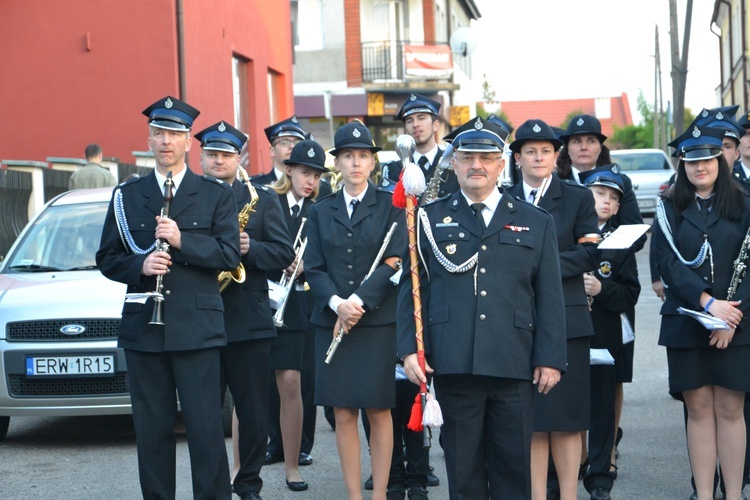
x=700 y=228
x=346 y=232
x=560 y=415
x=296 y=189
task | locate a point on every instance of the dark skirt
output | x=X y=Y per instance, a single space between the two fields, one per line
x=287 y=349
x=624 y=365
x=361 y=373
x=567 y=407
x=693 y=368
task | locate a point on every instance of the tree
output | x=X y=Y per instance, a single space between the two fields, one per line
x=641 y=135
x=679 y=63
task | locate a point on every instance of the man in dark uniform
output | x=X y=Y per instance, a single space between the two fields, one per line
x=282 y=136
x=181 y=354
x=420 y=117
x=494 y=319
x=741 y=170
x=265 y=247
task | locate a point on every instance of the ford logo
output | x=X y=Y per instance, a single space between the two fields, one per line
x=72 y=329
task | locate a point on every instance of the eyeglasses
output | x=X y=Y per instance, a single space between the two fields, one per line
x=285 y=143
x=484 y=158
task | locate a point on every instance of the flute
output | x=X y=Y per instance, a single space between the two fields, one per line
x=340 y=334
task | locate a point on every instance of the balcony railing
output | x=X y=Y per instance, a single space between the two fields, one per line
x=401 y=60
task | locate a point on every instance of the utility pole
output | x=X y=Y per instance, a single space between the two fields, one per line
x=657 y=91
x=679 y=63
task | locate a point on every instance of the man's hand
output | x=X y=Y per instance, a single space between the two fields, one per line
x=413 y=371
x=156 y=263
x=592 y=285
x=545 y=378
x=166 y=229
x=244 y=243
x=658 y=288
x=350 y=313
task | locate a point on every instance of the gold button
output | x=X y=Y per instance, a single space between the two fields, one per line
x=350 y=267
x=168 y=292
x=518 y=240
x=195 y=223
x=348 y=235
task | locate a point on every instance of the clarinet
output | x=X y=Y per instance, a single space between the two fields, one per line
x=157 y=317
x=740 y=268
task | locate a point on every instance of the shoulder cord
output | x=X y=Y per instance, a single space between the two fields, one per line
x=666 y=229
x=122 y=227
x=442 y=259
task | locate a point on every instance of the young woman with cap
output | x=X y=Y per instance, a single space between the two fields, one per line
x=701 y=224
x=346 y=232
x=296 y=189
x=562 y=414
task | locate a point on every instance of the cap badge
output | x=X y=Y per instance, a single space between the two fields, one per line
x=704 y=113
x=478 y=124
x=294 y=119
x=696 y=132
x=719 y=116
x=536 y=128
x=221 y=127
x=356 y=133
x=579 y=122
x=168 y=103
x=615 y=169
x=447 y=219
x=605 y=269
x=311 y=153
x=451 y=249
x=412 y=98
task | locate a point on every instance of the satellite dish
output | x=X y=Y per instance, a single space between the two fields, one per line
x=464 y=41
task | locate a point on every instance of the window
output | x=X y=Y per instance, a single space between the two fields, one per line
x=239 y=92
x=307 y=25
x=274 y=80
x=736 y=34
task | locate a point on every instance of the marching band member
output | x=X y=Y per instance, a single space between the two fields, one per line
x=345 y=234
x=245 y=361
x=560 y=415
x=297 y=190
x=701 y=224
x=487 y=259
x=177 y=354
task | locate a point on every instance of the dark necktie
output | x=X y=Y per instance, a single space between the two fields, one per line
x=478 y=207
x=705 y=205
x=423 y=162
x=354 y=203
x=295 y=212
x=532 y=195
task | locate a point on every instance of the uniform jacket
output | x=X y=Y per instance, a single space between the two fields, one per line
x=392 y=172
x=572 y=207
x=295 y=313
x=686 y=284
x=738 y=174
x=91 y=175
x=618 y=274
x=204 y=210
x=248 y=311
x=341 y=251
x=264 y=179
x=511 y=318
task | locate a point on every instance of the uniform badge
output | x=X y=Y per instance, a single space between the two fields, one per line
x=696 y=132
x=579 y=122
x=294 y=119
x=615 y=169
x=455 y=202
x=447 y=219
x=356 y=133
x=451 y=249
x=478 y=124
x=719 y=116
x=222 y=127
x=605 y=269
x=510 y=205
x=311 y=153
x=536 y=128
x=168 y=103
x=704 y=114
x=412 y=98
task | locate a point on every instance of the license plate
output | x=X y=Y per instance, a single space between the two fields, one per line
x=646 y=203
x=70 y=365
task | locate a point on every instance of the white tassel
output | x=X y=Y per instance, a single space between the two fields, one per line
x=432 y=415
x=413 y=180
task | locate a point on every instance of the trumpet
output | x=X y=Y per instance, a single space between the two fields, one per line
x=238 y=275
x=157 y=315
x=287 y=281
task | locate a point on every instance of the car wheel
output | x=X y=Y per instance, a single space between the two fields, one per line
x=226 y=414
x=4 y=423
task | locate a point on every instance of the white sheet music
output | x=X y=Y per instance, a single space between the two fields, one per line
x=623 y=237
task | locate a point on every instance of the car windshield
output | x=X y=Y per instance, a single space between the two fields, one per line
x=63 y=238
x=629 y=162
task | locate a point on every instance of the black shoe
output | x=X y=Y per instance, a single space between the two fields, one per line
x=613 y=473
x=583 y=469
x=600 y=494
x=305 y=459
x=272 y=459
x=418 y=493
x=297 y=485
x=694 y=496
x=395 y=493
x=368 y=483
x=251 y=495
x=553 y=493
x=432 y=479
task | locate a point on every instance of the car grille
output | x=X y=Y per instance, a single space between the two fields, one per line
x=45 y=331
x=91 y=386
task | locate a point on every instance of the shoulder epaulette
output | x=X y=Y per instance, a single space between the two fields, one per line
x=209 y=178
x=573 y=182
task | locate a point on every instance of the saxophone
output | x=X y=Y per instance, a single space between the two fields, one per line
x=238 y=275
x=433 y=187
x=740 y=266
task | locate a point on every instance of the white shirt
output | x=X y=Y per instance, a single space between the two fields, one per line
x=746 y=170
x=176 y=180
x=291 y=202
x=527 y=192
x=348 y=199
x=490 y=205
x=430 y=157
x=278 y=173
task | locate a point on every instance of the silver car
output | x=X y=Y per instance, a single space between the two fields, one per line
x=650 y=171
x=59 y=317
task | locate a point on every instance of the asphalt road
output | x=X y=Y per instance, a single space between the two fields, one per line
x=95 y=457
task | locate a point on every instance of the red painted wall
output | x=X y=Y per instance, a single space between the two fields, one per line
x=78 y=71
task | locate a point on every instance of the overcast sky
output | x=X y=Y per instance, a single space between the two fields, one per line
x=552 y=49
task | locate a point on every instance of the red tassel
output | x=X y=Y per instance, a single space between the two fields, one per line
x=415 y=420
x=399 y=196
